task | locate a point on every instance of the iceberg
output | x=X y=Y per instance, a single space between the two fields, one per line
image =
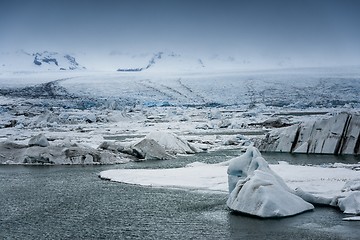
x=351 y=203
x=39 y=151
x=256 y=190
x=149 y=149
x=172 y=143
x=339 y=134
x=39 y=140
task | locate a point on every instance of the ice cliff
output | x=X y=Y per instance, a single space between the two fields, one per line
x=339 y=134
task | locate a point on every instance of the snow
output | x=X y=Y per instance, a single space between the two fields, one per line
x=322 y=181
x=195 y=176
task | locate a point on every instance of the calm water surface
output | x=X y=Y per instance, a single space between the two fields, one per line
x=71 y=202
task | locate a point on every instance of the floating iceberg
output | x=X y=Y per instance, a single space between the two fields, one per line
x=171 y=142
x=350 y=204
x=39 y=151
x=339 y=134
x=256 y=190
x=149 y=149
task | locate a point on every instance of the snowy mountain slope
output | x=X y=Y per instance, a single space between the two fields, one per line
x=38 y=61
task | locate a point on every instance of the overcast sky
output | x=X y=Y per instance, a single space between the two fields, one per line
x=308 y=29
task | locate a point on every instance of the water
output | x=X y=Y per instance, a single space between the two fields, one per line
x=71 y=202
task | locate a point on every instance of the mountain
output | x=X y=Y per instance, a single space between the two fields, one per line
x=38 y=61
x=163 y=62
x=159 y=61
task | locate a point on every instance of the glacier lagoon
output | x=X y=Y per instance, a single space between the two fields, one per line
x=63 y=202
x=71 y=202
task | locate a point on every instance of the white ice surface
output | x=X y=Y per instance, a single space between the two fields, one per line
x=213 y=177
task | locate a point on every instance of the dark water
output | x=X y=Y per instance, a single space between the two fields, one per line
x=71 y=202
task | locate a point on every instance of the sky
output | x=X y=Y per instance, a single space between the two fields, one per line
x=303 y=30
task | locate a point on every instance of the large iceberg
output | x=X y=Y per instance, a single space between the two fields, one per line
x=256 y=190
x=339 y=134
